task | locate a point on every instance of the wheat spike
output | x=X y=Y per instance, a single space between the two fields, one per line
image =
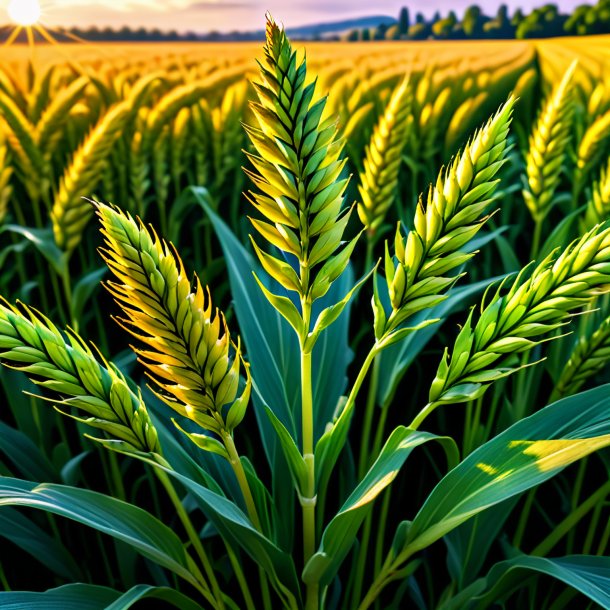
x=590 y=355
x=71 y=214
x=298 y=173
x=548 y=146
x=189 y=352
x=30 y=343
x=379 y=177
x=454 y=213
x=516 y=322
x=598 y=204
x=591 y=148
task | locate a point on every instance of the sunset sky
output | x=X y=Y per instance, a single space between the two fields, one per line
x=203 y=16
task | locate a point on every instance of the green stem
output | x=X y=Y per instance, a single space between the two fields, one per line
x=368 y=419
x=215 y=597
x=422 y=415
x=580 y=476
x=241 y=579
x=383 y=520
x=244 y=486
x=523 y=519
x=537 y=237
x=3 y=579
x=603 y=541
x=370 y=246
x=242 y=480
x=67 y=286
x=117 y=480
x=383 y=578
x=571 y=520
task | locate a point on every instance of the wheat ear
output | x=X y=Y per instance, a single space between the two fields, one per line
x=548 y=147
x=598 y=204
x=519 y=320
x=379 y=177
x=298 y=173
x=189 y=353
x=67 y=368
x=454 y=214
x=590 y=355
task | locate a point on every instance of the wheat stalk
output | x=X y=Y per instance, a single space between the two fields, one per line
x=548 y=146
x=379 y=177
x=590 y=355
x=189 y=352
x=598 y=204
x=591 y=148
x=454 y=213
x=30 y=343
x=516 y=322
x=6 y=171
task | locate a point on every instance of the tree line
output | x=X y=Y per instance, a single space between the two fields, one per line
x=543 y=22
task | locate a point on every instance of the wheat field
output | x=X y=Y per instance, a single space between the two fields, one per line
x=242 y=284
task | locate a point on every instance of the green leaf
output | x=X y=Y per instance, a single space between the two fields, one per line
x=468 y=545
x=84 y=289
x=525 y=455
x=587 y=574
x=284 y=306
x=235 y=526
x=296 y=463
x=44 y=241
x=50 y=552
x=92 y=597
x=133 y=525
x=68 y=597
x=27 y=457
x=562 y=234
x=341 y=532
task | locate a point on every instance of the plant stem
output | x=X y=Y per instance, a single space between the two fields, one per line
x=536 y=240
x=241 y=579
x=244 y=486
x=368 y=419
x=216 y=596
x=523 y=519
x=571 y=520
x=242 y=480
x=421 y=416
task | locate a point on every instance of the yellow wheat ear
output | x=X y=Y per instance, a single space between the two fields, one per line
x=188 y=350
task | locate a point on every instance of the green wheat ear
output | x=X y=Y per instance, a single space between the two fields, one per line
x=297 y=171
x=590 y=356
x=518 y=321
x=189 y=352
x=598 y=204
x=548 y=147
x=420 y=274
x=68 y=370
x=379 y=177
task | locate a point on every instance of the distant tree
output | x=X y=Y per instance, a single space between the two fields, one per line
x=419 y=18
x=419 y=31
x=353 y=36
x=380 y=31
x=472 y=23
x=404 y=20
x=393 y=32
x=443 y=28
x=366 y=34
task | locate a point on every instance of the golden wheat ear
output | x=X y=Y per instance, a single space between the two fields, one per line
x=188 y=351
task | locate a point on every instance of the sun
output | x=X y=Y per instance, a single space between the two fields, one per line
x=24 y=12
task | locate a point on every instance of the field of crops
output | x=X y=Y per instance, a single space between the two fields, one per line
x=242 y=285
